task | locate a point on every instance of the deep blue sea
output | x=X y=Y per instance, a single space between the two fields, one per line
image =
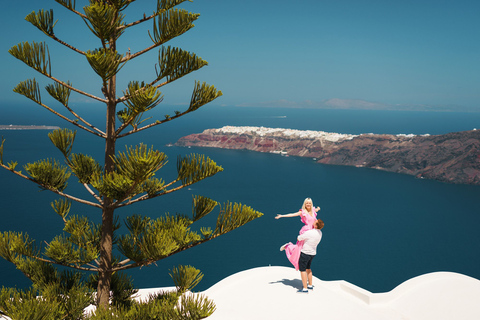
x=380 y=228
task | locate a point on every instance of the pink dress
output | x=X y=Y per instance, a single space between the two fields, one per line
x=293 y=250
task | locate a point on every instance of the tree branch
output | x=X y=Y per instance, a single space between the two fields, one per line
x=99 y=133
x=93 y=194
x=145 y=263
x=74 y=11
x=121 y=263
x=18 y=173
x=156 y=123
x=102 y=134
x=132 y=56
x=63 y=264
x=75 y=89
x=123 y=126
x=146 y=196
x=67 y=45
x=148 y=262
x=114 y=203
x=145 y=18
x=121 y=99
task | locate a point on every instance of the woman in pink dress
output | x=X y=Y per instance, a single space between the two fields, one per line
x=308 y=215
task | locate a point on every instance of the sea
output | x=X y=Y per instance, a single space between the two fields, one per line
x=381 y=228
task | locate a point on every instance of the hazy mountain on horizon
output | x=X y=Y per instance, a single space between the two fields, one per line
x=357 y=104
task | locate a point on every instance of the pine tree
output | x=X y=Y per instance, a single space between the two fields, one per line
x=123 y=179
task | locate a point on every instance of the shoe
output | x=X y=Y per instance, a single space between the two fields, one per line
x=302 y=291
x=283 y=247
x=310 y=287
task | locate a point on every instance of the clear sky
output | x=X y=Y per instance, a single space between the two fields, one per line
x=408 y=52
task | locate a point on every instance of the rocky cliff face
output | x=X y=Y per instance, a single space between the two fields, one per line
x=452 y=157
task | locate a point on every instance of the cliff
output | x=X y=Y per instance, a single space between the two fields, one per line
x=452 y=157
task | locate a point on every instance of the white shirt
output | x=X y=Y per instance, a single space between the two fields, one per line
x=312 y=239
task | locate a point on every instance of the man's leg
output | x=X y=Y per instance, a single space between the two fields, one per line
x=302 y=267
x=303 y=274
x=309 y=277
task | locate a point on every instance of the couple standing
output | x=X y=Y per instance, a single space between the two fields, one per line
x=302 y=253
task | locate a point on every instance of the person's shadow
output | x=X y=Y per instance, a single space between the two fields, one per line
x=295 y=283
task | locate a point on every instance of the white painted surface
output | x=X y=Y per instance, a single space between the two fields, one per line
x=270 y=293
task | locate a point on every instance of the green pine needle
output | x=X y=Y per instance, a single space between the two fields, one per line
x=105 y=62
x=35 y=55
x=104 y=20
x=153 y=186
x=140 y=98
x=170 y=24
x=121 y=4
x=49 y=174
x=43 y=20
x=233 y=216
x=139 y=163
x=175 y=63
x=203 y=94
x=12 y=165
x=185 y=277
x=15 y=244
x=114 y=185
x=163 y=5
x=194 y=168
x=84 y=167
x=202 y=206
x=30 y=89
x=59 y=92
x=63 y=139
x=69 y=4
x=61 y=207
x=196 y=306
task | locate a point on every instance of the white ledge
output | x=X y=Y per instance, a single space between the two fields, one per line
x=270 y=293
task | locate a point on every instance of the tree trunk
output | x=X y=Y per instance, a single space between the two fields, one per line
x=105 y=273
x=106 y=241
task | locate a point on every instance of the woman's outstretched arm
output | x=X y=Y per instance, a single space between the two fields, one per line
x=288 y=215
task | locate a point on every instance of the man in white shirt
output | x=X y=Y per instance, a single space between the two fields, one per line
x=312 y=239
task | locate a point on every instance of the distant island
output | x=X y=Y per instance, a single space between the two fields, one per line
x=21 y=127
x=452 y=157
x=358 y=104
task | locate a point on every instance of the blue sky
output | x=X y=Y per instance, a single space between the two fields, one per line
x=265 y=52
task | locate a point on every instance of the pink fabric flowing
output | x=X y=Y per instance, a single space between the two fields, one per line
x=293 y=250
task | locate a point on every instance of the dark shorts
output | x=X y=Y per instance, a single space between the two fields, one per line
x=304 y=261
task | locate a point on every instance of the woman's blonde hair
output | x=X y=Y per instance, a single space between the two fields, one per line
x=305 y=201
